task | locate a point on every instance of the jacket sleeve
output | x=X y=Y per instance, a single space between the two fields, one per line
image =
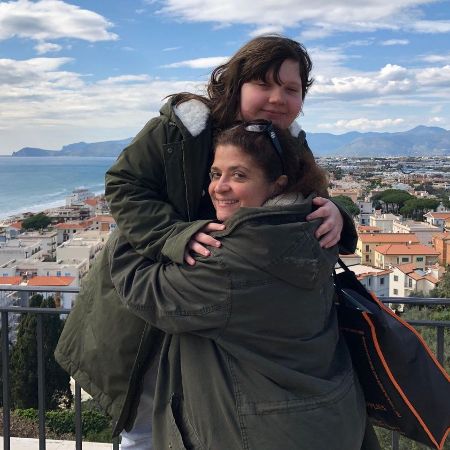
x=174 y=298
x=349 y=236
x=135 y=190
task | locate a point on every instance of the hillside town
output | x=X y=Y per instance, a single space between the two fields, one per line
x=403 y=244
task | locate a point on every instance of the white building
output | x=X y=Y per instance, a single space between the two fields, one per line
x=67 y=230
x=423 y=230
x=78 y=197
x=407 y=279
x=47 y=239
x=437 y=219
x=16 y=249
x=365 y=211
x=84 y=246
x=383 y=221
x=375 y=280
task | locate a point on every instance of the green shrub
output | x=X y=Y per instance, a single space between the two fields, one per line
x=29 y=413
x=61 y=422
x=93 y=422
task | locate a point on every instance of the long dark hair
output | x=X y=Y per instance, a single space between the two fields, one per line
x=304 y=175
x=253 y=61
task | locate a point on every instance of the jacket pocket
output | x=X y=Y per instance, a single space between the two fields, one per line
x=182 y=434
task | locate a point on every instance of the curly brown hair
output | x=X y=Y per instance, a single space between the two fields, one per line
x=254 y=61
x=304 y=174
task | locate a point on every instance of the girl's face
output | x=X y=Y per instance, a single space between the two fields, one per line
x=237 y=181
x=268 y=100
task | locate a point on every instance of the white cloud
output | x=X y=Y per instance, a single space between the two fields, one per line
x=317 y=19
x=47 y=47
x=199 y=63
x=363 y=124
x=435 y=76
x=52 y=19
x=431 y=26
x=390 y=42
x=436 y=58
x=170 y=49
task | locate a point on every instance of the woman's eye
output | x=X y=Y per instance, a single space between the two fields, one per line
x=214 y=175
x=238 y=175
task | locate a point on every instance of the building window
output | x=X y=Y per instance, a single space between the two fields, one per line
x=368 y=281
x=367 y=248
x=395 y=291
x=58 y=273
x=367 y=258
x=410 y=283
x=419 y=258
x=381 y=280
x=405 y=259
x=395 y=277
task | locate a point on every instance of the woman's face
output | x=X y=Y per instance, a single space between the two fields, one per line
x=237 y=181
x=280 y=103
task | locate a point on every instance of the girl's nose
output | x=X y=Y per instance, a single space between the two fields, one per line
x=276 y=95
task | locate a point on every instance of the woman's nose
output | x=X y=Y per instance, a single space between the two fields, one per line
x=221 y=185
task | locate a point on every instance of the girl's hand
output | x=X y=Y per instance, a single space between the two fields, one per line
x=198 y=241
x=329 y=232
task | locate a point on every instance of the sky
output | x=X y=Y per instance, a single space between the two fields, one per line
x=93 y=71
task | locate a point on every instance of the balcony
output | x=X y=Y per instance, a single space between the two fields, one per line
x=42 y=443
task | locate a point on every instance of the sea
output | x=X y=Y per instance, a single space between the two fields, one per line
x=37 y=183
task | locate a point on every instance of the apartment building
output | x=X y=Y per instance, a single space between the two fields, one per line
x=367 y=242
x=383 y=221
x=407 y=279
x=437 y=219
x=441 y=242
x=423 y=230
x=420 y=255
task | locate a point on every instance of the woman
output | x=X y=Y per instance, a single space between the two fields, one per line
x=252 y=357
x=155 y=190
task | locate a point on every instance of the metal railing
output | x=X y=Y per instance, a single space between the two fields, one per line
x=440 y=327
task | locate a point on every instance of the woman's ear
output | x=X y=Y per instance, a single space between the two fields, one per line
x=280 y=184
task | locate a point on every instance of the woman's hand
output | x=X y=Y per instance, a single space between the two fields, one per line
x=329 y=232
x=198 y=241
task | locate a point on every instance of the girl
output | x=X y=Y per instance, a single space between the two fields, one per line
x=252 y=357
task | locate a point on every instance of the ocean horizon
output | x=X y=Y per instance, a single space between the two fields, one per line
x=32 y=184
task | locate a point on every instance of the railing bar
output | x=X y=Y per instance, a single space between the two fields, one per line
x=78 y=424
x=41 y=381
x=395 y=441
x=5 y=375
x=440 y=344
x=116 y=443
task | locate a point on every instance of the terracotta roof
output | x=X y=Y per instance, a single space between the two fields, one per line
x=367 y=238
x=361 y=276
x=444 y=236
x=10 y=280
x=402 y=249
x=407 y=268
x=91 y=201
x=431 y=278
x=70 y=226
x=50 y=281
x=103 y=218
x=368 y=228
x=436 y=215
x=17 y=225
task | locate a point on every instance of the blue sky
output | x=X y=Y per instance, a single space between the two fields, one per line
x=92 y=71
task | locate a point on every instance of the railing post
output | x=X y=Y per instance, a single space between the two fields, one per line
x=78 y=430
x=395 y=441
x=5 y=376
x=41 y=381
x=440 y=344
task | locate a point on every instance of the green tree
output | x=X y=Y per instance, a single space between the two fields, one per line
x=393 y=199
x=36 y=222
x=442 y=290
x=24 y=380
x=347 y=203
x=415 y=208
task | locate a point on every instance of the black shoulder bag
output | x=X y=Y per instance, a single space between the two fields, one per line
x=405 y=387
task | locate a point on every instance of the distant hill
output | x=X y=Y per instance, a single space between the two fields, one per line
x=419 y=141
x=422 y=140
x=106 y=148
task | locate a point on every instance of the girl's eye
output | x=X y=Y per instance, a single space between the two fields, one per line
x=293 y=90
x=238 y=175
x=214 y=175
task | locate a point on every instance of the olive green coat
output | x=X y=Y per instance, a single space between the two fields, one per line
x=252 y=357
x=154 y=191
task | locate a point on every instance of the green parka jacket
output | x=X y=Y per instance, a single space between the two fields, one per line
x=252 y=357
x=154 y=191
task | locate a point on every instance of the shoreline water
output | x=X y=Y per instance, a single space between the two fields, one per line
x=34 y=184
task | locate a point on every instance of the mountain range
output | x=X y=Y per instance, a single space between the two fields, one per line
x=419 y=141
